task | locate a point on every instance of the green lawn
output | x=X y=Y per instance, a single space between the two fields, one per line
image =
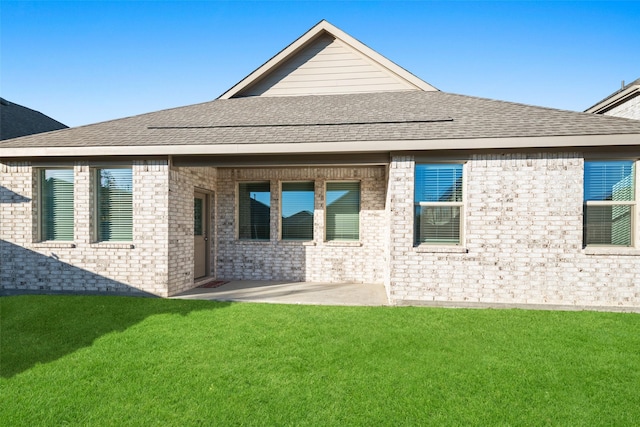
x=134 y=361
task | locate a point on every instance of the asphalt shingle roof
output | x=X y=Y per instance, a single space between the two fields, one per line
x=333 y=118
x=17 y=120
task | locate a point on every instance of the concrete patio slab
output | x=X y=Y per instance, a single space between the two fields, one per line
x=292 y=293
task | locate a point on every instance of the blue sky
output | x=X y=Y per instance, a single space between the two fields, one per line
x=83 y=62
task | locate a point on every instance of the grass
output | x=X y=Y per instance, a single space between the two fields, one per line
x=84 y=360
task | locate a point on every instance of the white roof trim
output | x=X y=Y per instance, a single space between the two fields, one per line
x=614 y=100
x=330 y=147
x=320 y=28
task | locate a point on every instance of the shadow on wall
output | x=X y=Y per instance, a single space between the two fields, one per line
x=22 y=269
x=25 y=270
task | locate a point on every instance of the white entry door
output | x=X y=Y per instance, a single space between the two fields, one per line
x=200 y=238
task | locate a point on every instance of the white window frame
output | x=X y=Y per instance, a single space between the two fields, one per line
x=634 y=238
x=461 y=205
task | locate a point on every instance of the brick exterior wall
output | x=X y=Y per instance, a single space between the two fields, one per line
x=522 y=235
x=83 y=265
x=182 y=183
x=522 y=244
x=316 y=261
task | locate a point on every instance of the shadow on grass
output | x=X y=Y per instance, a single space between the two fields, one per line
x=42 y=328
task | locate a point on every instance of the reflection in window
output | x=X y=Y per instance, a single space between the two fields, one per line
x=438 y=203
x=297 y=210
x=254 y=210
x=609 y=202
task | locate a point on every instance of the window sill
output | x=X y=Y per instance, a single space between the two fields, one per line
x=604 y=250
x=52 y=244
x=297 y=242
x=344 y=243
x=253 y=242
x=440 y=249
x=111 y=245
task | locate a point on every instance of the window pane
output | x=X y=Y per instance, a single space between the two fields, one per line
x=254 y=204
x=197 y=216
x=57 y=204
x=610 y=180
x=608 y=225
x=437 y=224
x=297 y=210
x=438 y=183
x=343 y=211
x=115 y=207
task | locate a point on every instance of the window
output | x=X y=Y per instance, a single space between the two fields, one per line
x=56 y=198
x=114 y=205
x=343 y=211
x=198 y=220
x=297 y=211
x=254 y=210
x=609 y=202
x=438 y=203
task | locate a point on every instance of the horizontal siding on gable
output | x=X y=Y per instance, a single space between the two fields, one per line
x=327 y=66
x=333 y=90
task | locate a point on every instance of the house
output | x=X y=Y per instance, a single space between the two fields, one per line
x=622 y=103
x=17 y=120
x=443 y=198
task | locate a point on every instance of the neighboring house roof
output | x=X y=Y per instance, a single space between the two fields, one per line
x=621 y=96
x=17 y=120
x=414 y=117
x=371 y=122
x=325 y=60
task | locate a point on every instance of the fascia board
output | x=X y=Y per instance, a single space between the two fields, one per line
x=376 y=57
x=330 y=147
x=276 y=60
x=612 y=101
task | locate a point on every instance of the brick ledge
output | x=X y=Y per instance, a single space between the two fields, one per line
x=441 y=249
x=51 y=244
x=611 y=251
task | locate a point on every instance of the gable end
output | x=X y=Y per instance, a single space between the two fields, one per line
x=327 y=66
x=326 y=61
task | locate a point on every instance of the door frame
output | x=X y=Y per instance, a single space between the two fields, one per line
x=208 y=196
